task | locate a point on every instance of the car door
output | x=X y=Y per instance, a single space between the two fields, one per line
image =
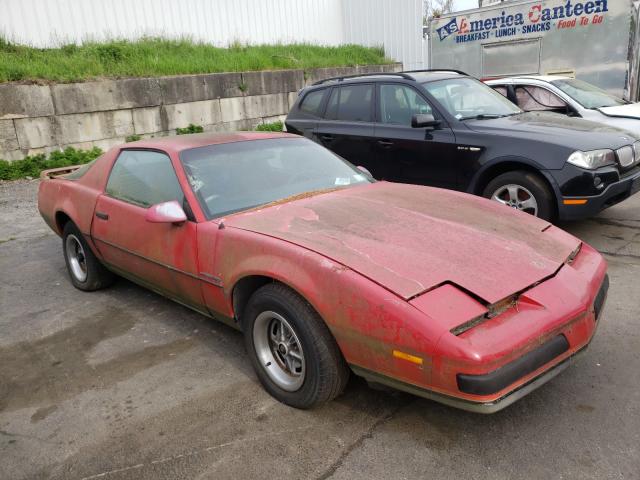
x=161 y=256
x=347 y=127
x=412 y=155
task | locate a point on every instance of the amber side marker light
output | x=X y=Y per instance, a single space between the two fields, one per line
x=407 y=357
x=575 y=201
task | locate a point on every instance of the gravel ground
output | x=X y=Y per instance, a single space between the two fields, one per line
x=124 y=384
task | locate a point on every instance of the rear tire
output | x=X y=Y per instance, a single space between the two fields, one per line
x=85 y=270
x=292 y=351
x=524 y=191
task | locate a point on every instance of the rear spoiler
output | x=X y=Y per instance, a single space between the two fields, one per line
x=57 y=172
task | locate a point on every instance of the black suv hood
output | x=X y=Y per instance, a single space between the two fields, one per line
x=554 y=128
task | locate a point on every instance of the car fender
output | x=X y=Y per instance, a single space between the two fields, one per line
x=479 y=177
x=367 y=321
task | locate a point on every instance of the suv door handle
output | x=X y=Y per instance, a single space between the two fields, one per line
x=385 y=143
x=328 y=138
x=102 y=216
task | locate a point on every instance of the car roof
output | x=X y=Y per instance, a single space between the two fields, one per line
x=432 y=76
x=542 y=78
x=179 y=143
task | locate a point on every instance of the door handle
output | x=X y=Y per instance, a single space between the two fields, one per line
x=328 y=138
x=102 y=216
x=385 y=143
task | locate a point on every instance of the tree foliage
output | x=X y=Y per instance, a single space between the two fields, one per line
x=435 y=8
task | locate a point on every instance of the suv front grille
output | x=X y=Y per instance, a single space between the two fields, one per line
x=636 y=152
x=626 y=156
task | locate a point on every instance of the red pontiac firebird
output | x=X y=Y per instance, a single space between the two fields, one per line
x=326 y=271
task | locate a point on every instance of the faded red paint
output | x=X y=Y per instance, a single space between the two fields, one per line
x=388 y=267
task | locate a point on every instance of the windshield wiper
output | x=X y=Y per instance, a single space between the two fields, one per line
x=487 y=116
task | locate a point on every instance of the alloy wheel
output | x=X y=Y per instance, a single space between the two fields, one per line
x=279 y=350
x=76 y=258
x=518 y=197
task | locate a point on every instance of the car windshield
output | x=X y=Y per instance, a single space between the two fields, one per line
x=587 y=95
x=466 y=98
x=232 y=177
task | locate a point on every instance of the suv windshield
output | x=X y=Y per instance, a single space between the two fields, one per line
x=466 y=98
x=231 y=177
x=587 y=95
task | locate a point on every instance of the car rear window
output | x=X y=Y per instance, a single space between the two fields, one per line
x=351 y=103
x=79 y=173
x=312 y=103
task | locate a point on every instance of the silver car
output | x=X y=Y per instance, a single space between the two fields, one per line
x=571 y=97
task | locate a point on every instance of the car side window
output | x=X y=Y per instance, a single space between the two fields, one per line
x=532 y=98
x=144 y=178
x=351 y=103
x=312 y=103
x=502 y=90
x=398 y=103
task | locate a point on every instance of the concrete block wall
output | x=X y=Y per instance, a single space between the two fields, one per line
x=39 y=119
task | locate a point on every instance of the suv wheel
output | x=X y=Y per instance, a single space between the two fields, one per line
x=524 y=191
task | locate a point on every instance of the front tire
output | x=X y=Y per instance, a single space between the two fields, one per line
x=292 y=351
x=524 y=191
x=85 y=270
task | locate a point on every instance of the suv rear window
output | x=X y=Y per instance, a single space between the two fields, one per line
x=351 y=103
x=312 y=102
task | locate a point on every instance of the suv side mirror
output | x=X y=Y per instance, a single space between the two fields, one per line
x=166 y=212
x=422 y=120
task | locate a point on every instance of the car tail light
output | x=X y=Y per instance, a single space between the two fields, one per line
x=626 y=156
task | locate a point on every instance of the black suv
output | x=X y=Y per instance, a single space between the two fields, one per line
x=446 y=129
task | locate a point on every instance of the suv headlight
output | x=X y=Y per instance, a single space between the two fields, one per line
x=593 y=159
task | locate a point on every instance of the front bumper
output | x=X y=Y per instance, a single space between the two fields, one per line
x=462 y=404
x=616 y=192
x=509 y=374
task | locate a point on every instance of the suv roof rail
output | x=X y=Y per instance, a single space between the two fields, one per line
x=437 y=70
x=404 y=74
x=358 y=75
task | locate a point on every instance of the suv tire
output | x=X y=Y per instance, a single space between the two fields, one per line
x=524 y=191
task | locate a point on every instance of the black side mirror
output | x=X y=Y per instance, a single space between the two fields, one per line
x=424 y=120
x=571 y=112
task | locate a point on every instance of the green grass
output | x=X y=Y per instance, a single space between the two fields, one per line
x=190 y=129
x=270 y=127
x=154 y=57
x=32 y=166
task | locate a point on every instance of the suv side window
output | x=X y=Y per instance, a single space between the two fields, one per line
x=398 y=103
x=312 y=102
x=532 y=98
x=351 y=103
x=144 y=178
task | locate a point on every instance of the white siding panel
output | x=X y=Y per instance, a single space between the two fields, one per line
x=394 y=24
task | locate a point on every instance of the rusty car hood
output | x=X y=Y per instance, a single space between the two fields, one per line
x=410 y=239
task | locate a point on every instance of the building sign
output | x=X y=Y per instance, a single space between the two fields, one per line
x=532 y=19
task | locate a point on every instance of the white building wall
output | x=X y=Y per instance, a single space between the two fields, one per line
x=394 y=24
